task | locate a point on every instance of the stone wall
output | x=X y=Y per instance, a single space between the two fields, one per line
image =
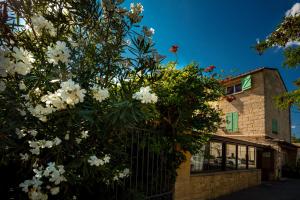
x=211 y=185
x=250 y=107
x=274 y=87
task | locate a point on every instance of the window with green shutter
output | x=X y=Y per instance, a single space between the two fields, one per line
x=274 y=126
x=229 y=122
x=246 y=83
x=235 y=119
x=232 y=122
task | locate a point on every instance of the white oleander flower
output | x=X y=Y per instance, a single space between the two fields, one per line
x=148 y=31
x=20 y=133
x=22 y=55
x=84 y=134
x=135 y=11
x=22 y=85
x=24 y=60
x=294 y=11
x=24 y=156
x=145 y=95
x=93 y=160
x=54 y=191
x=35 y=151
x=40 y=23
x=2 y=86
x=54 y=8
x=58 y=52
x=55 y=173
x=106 y=159
x=33 y=132
x=54 y=100
x=136 y=8
x=57 y=141
x=40 y=112
x=122 y=174
x=100 y=94
x=71 y=93
x=25 y=185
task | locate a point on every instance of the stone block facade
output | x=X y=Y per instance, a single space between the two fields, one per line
x=256 y=107
x=249 y=105
x=211 y=185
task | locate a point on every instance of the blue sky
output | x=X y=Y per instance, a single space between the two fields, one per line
x=221 y=33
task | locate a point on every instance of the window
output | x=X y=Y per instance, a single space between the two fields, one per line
x=211 y=157
x=245 y=84
x=208 y=158
x=234 y=89
x=232 y=122
x=230 y=156
x=274 y=126
x=251 y=157
x=242 y=157
x=197 y=160
x=215 y=160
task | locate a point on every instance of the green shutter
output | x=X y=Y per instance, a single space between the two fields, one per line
x=235 y=119
x=274 y=126
x=229 y=122
x=246 y=83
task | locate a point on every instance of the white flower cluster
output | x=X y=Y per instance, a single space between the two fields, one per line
x=93 y=160
x=70 y=93
x=54 y=175
x=22 y=133
x=136 y=8
x=145 y=95
x=40 y=111
x=100 y=94
x=121 y=174
x=135 y=11
x=40 y=23
x=148 y=31
x=54 y=8
x=58 y=52
x=23 y=62
x=41 y=144
x=294 y=11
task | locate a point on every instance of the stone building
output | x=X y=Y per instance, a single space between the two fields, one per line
x=253 y=144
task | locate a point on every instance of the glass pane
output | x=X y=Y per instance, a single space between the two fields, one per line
x=230 y=90
x=238 y=88
x=230 y=156
x=215 y=157
x=251 y=157
x=242 y=151
x=197 y=161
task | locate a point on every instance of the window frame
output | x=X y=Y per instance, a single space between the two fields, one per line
x=223 y=162
x=234 y=89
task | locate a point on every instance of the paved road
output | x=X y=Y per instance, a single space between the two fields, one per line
x=282 y=190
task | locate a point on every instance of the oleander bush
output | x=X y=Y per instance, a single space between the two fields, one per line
x=77 y=77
